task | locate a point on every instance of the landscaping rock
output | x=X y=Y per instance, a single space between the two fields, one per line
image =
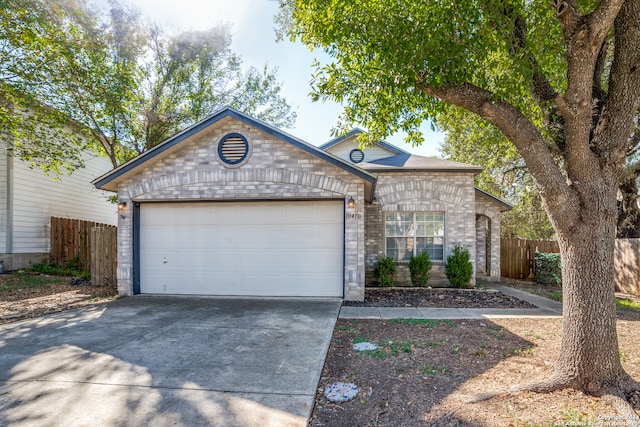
x=339 y=392
x=365 y=346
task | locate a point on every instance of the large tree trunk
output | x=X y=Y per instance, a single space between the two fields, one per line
x=589 y=358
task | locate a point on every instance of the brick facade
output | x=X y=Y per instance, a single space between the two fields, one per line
x=489 y=212
x=448 y=192
x=274 y=170
x=279 y=167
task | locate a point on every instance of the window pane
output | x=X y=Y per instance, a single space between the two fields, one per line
x=398 y=224
x=400 y=248
x=433 y=246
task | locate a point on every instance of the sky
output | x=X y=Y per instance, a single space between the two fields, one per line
x=254 y=39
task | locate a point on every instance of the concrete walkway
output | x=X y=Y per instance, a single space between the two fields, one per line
x=547 y=309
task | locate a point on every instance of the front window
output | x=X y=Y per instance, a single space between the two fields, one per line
x=411 y=233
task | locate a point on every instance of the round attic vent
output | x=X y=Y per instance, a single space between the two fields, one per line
x=233 y=149
x=356 y=155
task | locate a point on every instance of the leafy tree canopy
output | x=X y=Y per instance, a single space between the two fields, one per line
x=560 y=80
x=112 y=77
x=469 y=139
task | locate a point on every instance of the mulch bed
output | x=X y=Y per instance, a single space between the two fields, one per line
x=443 y=298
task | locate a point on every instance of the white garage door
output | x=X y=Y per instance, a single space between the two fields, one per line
x=252 y=248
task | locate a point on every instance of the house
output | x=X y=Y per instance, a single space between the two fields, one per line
x=29 y=198
x=233 y=206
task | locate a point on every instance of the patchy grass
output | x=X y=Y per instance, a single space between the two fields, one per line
x=627 y=303
x=20 y=281
x=431 y=369
x=555 y=293
x=387 y=348
x=453 y=370
x=425 y=323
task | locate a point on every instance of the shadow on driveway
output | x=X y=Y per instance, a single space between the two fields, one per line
x=167 y=361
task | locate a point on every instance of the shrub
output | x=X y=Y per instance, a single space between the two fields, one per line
x=386 y=271
x=419 y=267
x=548 y=270
x=58 y=270
x=458 y=268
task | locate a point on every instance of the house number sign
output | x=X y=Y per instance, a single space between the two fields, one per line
x=353 y=215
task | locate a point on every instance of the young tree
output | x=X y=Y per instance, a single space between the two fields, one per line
x=396 y=62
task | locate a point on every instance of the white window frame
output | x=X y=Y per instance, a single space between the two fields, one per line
x=413 y=234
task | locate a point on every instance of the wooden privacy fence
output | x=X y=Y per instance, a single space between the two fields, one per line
x=627 y=266
x=104 y=255
x=93 y=243
x=517 y=256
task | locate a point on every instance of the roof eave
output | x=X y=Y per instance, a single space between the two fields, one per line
x=504 y=205
x=475 y=171
x=109 y=181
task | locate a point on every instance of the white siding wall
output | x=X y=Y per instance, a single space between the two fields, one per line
x=4 y=161
x=343 y=149
x=37 y=197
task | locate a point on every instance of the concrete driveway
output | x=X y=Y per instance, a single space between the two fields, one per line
x=167 y=361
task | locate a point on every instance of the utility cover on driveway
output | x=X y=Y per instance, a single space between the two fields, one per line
x=167 y=361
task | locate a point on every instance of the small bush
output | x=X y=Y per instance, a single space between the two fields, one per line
x=548 y=270
x=458 y=268
x=419 y=267
x=386 y=272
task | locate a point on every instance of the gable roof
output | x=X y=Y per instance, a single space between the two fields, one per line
x=504 y=206
x=411 y=162
x=110 y=180
x=356 y=131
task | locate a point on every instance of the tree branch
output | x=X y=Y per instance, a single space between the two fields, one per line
x=623 y=100
x=599 y=21
x=522 y=133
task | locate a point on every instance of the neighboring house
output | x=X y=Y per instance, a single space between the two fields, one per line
x=29 y=198
x=233 y=206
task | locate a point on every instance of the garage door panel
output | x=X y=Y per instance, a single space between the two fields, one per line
x=253 y=248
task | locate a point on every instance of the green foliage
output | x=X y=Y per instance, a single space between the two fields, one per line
x=627 y=303
x=389 y=348
x=60 y=270
x=471 y=140
x=385 y=271
x=419 y=268
x=547 y=268
x=431 y=369
x=113 y=82
x=382 y=52
x=14 y=281
x=458 y=267
x=425 y=323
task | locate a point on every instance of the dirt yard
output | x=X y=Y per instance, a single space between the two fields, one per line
x=425 y=373
x=440 y=373
x=24 y=296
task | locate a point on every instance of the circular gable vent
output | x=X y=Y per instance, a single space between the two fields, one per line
x=356 y=155
x=233 y=149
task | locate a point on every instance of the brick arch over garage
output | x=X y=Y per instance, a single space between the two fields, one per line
x=248 y=183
